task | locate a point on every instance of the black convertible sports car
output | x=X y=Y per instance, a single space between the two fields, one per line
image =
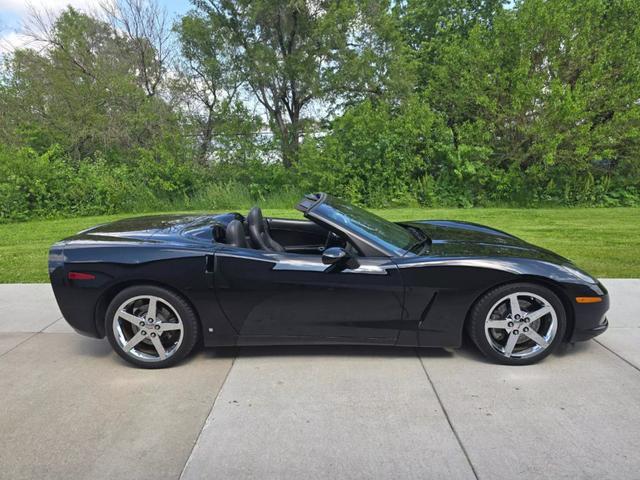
x=155 y=286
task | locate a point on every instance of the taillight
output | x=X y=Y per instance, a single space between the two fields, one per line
x=80 y=276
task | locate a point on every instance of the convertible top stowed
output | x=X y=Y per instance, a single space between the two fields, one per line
x=157 y=285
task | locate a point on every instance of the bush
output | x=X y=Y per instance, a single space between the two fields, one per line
x=51 y=184
x=375 y=154
x=379 y=156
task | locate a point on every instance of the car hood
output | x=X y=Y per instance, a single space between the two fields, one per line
x=463 y=239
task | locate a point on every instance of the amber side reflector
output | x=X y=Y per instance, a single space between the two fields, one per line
x=80 y=276
x=588 y=299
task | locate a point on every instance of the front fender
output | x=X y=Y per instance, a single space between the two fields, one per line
x=439 y=292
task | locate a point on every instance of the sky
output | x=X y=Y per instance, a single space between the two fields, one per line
x=14 y=12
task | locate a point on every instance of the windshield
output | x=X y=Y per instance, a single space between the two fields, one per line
x=367 y=225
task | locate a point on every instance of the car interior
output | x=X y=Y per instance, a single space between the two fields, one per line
x=278 y=234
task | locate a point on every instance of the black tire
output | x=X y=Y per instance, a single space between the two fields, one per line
x=481 y=310
x=190 y=324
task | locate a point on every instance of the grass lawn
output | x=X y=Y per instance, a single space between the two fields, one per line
x=603 y=241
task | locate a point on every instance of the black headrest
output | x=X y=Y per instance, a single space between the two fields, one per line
x=259 y=233
x=235 y=234
x=256 y=219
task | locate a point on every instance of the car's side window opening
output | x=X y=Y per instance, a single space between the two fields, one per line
x=280 y=235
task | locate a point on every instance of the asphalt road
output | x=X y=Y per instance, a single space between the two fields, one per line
x=72 y=409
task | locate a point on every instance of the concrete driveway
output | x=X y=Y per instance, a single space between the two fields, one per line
x=70 y=408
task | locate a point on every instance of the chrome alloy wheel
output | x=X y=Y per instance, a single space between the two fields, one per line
x=148 y=328
x=521 y=325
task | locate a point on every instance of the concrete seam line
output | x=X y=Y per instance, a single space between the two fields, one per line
x=23 y=341
x=206 y=420
x=446 y=415
x=617 y=355
x=55 y=321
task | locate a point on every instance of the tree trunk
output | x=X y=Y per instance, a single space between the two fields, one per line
x=290 y=145
x=290 y=140
x=207 y=135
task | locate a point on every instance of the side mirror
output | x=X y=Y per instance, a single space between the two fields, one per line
x=339 y=259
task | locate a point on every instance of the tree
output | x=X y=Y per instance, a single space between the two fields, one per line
x=81 y=91
x=550 y=87
x=147 y=28
x=428 y=29
x=207 y=84
x=290 y=54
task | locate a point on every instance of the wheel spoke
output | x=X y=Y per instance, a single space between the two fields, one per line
x=136 y=339
x=541 y=312
x=511 y=343
x=503 y=324
x=153 y=308
x=171 y=326
x=159 y=347
x=130 y=318
x=514 y=305
x=536 y=337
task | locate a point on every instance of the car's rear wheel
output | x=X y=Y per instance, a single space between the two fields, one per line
x=151 y=327
x=518 y=324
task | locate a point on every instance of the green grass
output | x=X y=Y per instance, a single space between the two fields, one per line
x=603 y=241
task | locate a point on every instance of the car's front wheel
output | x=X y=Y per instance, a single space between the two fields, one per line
x=151 y=327
x=518 y=324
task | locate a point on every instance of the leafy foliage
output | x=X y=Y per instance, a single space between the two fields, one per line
x=82 y=94
x=549 y=89
x=42 y=185
x=440 y=103
x=375 y=153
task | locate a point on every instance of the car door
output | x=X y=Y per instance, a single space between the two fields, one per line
x=292 y=296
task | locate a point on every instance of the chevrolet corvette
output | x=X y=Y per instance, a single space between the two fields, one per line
x=157 y=286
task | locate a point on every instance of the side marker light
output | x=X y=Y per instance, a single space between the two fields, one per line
x=588 y=299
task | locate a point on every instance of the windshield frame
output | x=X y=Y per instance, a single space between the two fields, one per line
x=369 y=244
